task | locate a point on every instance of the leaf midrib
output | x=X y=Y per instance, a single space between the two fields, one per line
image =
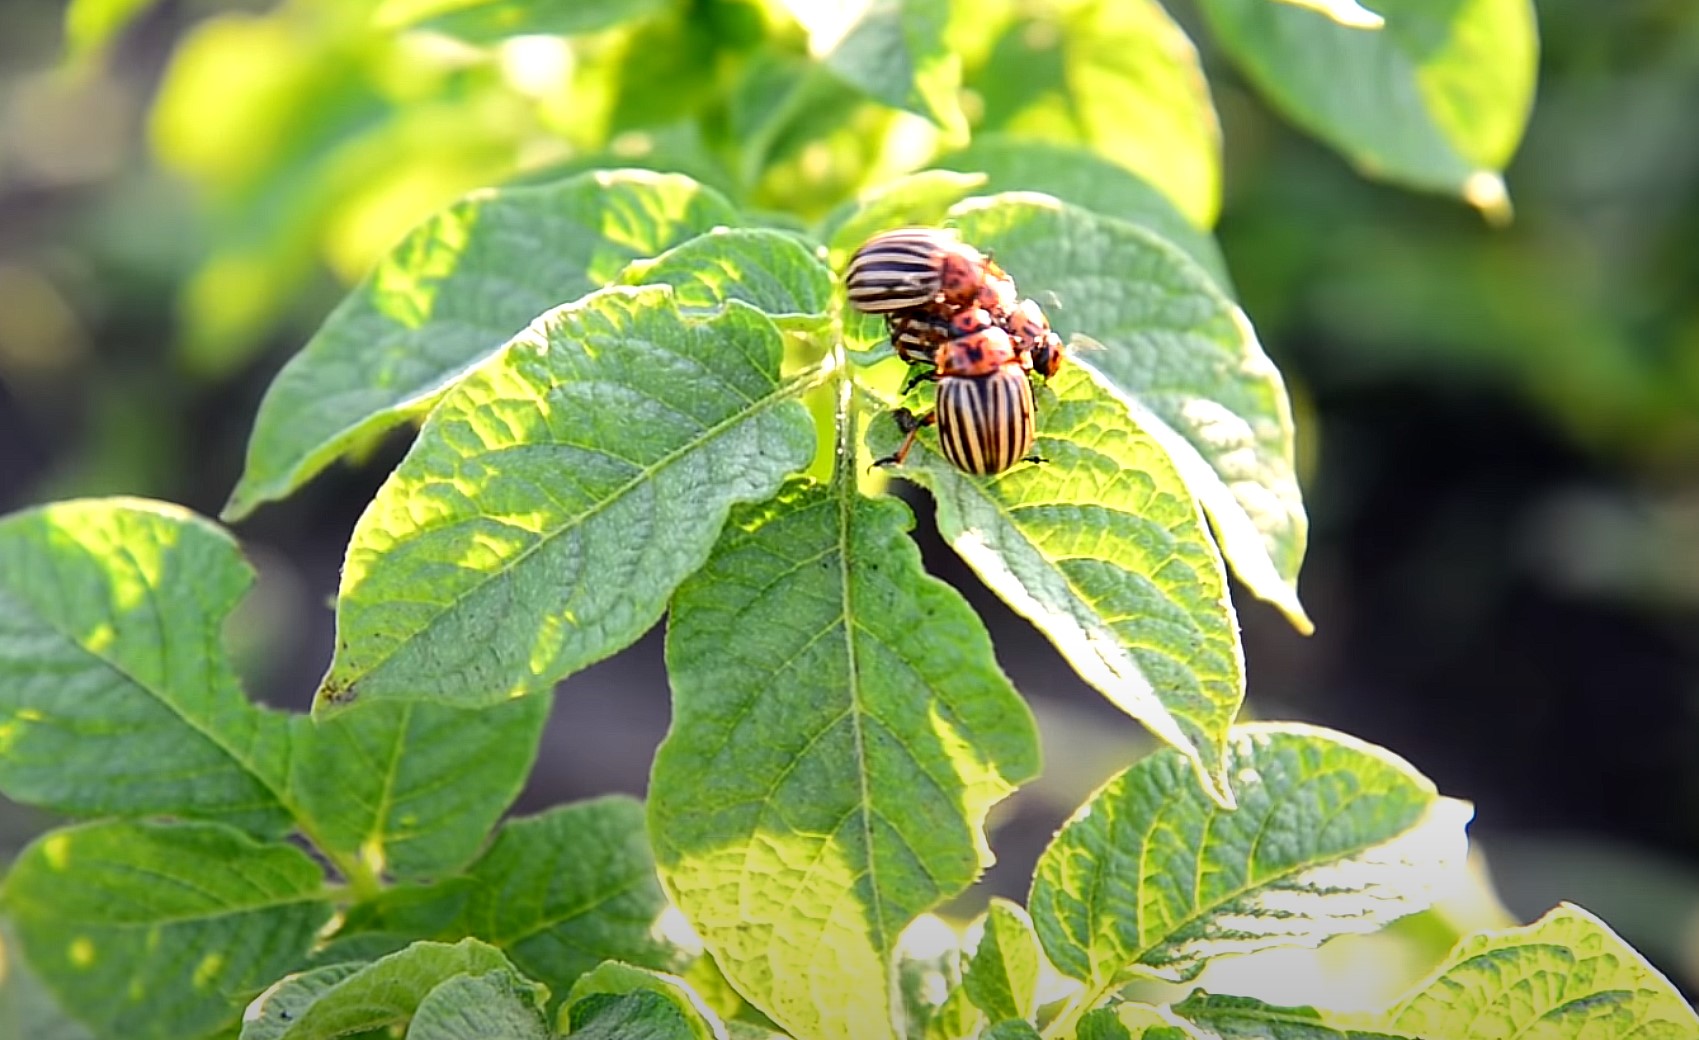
x=161 y=695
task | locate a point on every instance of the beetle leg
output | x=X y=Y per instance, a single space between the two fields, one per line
x=910 y=424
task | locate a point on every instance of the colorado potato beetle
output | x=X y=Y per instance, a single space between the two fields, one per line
x=984 y=408
x=915 y=268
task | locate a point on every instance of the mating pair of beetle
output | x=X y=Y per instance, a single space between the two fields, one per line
x=956 y=316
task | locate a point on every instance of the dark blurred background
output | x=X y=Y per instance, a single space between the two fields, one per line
x=1498 y=428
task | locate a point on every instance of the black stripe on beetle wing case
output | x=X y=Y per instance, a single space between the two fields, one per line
x=985 y=423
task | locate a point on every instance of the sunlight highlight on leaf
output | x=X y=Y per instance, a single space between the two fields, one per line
x=1332 y=836
x=1105 y=550
x=448 y=297
x=840 y=730
x=557 y=496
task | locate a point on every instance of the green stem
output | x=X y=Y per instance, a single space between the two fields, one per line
x=1066 y=1023
x=847 y=416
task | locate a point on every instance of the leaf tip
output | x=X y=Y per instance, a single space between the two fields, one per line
x=238 y=507
x=1485 y=190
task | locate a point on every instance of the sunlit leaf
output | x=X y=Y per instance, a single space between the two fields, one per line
x=1181 y=350
x=1565 y=976
x=839 y=731
x=115 y=695
x=1080 y=177
x=557 y=496
x=1121 y=78
x=451 y=294
x=1331 y=836
x=955 y=1019
x=1002 y=976
x=389 y=992
x=412 y=789
x=1013 y=1029
x=484 y=21
x=771 y=271
x=895 y=51
x=1437 y=98
x=1104 y=549
x=148 y=930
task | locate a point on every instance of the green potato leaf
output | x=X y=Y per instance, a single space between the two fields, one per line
x=498 y=1005
x=772 y=271
x=840 y=729
x=454 y=291
x=615 y=979
x=146 y=930
x=894 y=51
x=274 y=1011
x=1175 y=344
x=115 y=693
x=1567 y=976
x=1129 y=1020
x=1437 y=98
x=1246 y=1018
x=1087 y=180
x=27 y=1010
x=390 y=992
x=412 y=789
x=1104 y=549
x=1331 y=836
x=1120 y=78
x=558 y=495
x=1002 y=976
x=565 y=890
x=639 y=1015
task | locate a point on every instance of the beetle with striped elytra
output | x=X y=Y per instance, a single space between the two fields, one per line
x=955 y=317
x=916 y=268
x=984 y=408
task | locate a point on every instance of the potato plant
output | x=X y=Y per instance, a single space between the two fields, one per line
x=640 y=398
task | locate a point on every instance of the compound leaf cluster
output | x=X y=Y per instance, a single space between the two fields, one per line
x=643 y=400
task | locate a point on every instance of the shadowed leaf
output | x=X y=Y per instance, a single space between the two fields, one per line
x=115 y=693
x=150 y=930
